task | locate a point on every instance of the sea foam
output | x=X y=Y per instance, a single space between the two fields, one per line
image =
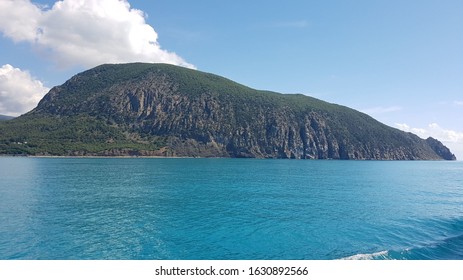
x=377 y=255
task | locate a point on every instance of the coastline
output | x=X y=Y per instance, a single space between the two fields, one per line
x=199 y=157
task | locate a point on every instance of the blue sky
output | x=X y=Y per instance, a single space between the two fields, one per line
x=399 y=61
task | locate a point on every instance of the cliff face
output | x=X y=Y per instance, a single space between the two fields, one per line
x=172 y=111
x=440 y=149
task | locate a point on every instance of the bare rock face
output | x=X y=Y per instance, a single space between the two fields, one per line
x=195 y=114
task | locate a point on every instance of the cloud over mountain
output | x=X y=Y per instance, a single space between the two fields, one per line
x=85 y=32
x=452 y=138
x=19 y=92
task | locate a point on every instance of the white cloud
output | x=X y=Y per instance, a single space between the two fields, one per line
x=451 y=138
x=435 y=131
x=458 y=103
x=418 y=131
x=85 y=32
x=19 y=92
x=381 y=110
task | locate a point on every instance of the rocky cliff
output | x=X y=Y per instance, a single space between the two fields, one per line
x=158 y=109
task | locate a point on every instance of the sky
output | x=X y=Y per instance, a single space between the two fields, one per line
x=399 y=61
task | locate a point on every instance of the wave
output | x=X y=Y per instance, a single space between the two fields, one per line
x=431 y=239
x=371 y=256
x=446 y=249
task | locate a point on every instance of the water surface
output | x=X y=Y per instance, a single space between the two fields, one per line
x=133 y=208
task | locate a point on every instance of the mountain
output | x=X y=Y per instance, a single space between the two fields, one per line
x=164 y=110
x=5 y=118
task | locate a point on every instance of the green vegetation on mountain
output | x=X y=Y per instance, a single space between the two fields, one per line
x=165 y=110
x=78 y=135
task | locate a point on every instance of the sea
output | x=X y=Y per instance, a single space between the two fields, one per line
x=229 y=209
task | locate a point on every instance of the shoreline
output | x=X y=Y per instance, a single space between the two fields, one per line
x=34 y=156
x=186 y=157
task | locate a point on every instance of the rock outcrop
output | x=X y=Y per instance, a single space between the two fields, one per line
x=440 y=149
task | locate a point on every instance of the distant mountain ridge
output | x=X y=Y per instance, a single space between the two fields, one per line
x=142 y=109
x=5 y=118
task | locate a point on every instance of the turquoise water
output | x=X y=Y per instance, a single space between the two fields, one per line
x=113 y=208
